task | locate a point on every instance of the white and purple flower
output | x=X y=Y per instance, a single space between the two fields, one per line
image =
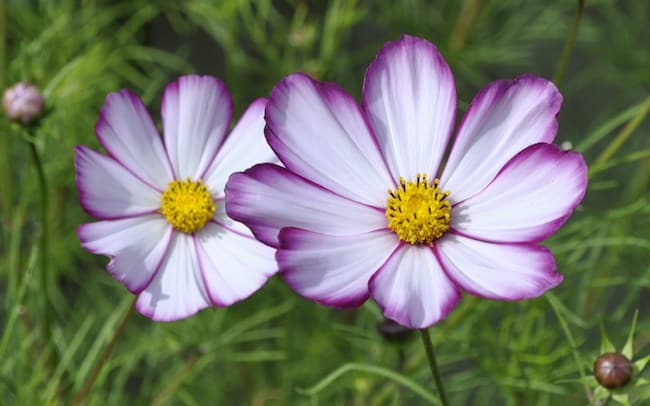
x=362 y=208
x=161 y=203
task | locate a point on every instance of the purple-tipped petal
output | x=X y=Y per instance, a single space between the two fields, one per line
x=410 y=99
x=109 y=191
x=318 y=131
x=529 y=200
x=498 y=271
x=126 y=131
x=135 y=245
x=243 y=148
x=177 y=290
x=234 y=265
x=503 y=119
x=196 y=112
x=412 y=288
x=268 y=198
x=333 y=270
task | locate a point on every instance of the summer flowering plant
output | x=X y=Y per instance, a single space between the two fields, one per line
x=362 y=208
x=161 y=202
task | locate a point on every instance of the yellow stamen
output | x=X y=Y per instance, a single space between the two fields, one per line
x=418 y=212
x=187 y=205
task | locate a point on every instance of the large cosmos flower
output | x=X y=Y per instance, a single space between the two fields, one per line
x=161 y=204
x=362 y=208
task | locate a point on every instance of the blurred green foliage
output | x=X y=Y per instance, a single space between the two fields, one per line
x=274 y=347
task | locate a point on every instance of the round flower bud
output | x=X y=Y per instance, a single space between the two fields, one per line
x=613 y=370
x=394 y=332
x=23 y=102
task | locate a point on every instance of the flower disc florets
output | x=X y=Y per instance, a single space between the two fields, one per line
x=418 y=212
x=187 y=205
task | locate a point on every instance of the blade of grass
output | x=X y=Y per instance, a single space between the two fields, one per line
x=373 y=370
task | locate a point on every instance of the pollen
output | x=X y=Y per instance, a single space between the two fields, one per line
x=418 y=212
x=187 y=205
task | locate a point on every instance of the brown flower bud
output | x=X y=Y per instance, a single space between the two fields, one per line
x=394 y=332
x=23 y=102
x=613 y=370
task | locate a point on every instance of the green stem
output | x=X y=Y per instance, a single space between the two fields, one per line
x=567 y=333
x=558 y=78
x=428 y=347
x=88 y=385
x=44 y=255
x=5 y=167
x=625 y=133
x=3 y=43
x=171 y=387
x=464 y=23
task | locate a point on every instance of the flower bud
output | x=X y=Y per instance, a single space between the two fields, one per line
x=23 y=102
x=394 y=332
x=613 y=370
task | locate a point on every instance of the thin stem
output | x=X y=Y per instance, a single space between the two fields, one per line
x=625 y=133
x=171 y=387
x=464 y=23
x=558 y=78
x=3 y=43
x=44 y=255
x=85 y=390
x=5 y=168
x=428 y=347
x=567 y=333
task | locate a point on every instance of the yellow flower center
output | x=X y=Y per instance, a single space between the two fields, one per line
x=418 y=212
x=187 y=205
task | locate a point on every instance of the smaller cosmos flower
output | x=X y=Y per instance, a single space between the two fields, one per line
x=363 y=208
x=615 y=372
x=23 y=102
x=161 y=202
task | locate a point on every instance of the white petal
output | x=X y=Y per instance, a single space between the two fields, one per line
x=410 y=99
x=503 y=119
x=221 y=218
x=267 y=198
x=127 y=132
x=107 y=190
x=243 y=148
x=177 y=290
x=318 y=131
x=529 y=200
x=135 y=245
x=196 y=112
x=498 y=271
x=333 y=270
x=413 y=289
x=233 y=265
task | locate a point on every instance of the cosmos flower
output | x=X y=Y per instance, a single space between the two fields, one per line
x=161 y=202
x=362 y=208
x=23 y=102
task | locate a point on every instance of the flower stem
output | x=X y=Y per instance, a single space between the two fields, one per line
x=625 y=133
x=428 y=347
x=44 y=255
x=558 y=78
x=85 y=390
x=5 y=175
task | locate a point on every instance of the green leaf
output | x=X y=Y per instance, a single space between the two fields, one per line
x=601 y=393
x=640 y=364
x=608 y=126
x=622 y=398
x=628 y=350
x=605 y=344
x=374 y=370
